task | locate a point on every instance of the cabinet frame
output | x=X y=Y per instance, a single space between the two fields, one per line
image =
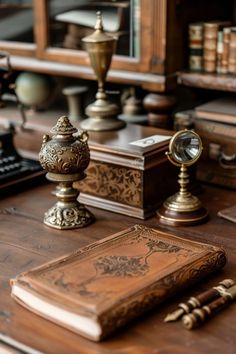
x=149 y=71
x=152 y=52
x=153 y=12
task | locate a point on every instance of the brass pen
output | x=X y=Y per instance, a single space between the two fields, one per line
x=200 y=315
x=199 y=300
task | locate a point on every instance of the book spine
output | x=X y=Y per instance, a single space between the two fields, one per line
x=147 y=298
x=219 y=52
x=232 y=51
x=209 y=46
x=225 y=54
x=195 y=35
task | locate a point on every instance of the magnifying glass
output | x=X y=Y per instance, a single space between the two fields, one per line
x=185 y=147
x=183 y=208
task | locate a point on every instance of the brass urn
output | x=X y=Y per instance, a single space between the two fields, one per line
x=102 y=113
x=65 y=157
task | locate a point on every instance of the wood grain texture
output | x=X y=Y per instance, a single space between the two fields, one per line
x=25 y=239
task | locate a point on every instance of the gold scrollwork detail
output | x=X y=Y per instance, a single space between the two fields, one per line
x=119 y=184
x=72 y=217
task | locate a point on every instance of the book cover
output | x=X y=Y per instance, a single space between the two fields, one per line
x=222 y=109
x=101 y=287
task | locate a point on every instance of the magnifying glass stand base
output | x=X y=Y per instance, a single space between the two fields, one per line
x=171 y=217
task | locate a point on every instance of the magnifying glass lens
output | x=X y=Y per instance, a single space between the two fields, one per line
x=186 y=147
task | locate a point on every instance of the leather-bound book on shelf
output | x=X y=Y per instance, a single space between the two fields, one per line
x=219 y=53
x=211 y=29
x=103 y=286
x=222 y=110
x=225 y=54
x=232 y=51
x=195 y=42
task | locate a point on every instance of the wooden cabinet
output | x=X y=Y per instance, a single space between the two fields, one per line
x=160 y=28
x=148 y=69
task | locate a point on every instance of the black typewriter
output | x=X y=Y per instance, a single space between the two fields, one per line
x=14 y=168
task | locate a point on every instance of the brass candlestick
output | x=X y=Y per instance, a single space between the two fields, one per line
x=183 y=208
x=102 y=113
x=65 y=157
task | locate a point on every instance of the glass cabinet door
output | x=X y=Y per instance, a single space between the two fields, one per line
x=16 y=21
x=71 y=20
x=52 y=31
x=63 y=24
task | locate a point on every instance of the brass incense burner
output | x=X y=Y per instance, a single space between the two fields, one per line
x=183 y=208
x=102 y=113
x=65 y=157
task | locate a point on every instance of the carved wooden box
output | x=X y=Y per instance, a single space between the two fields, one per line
x=127 y=175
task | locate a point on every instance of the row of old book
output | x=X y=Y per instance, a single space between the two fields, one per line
x=212 y=47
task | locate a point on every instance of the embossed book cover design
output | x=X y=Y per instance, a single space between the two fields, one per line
x=104 y=285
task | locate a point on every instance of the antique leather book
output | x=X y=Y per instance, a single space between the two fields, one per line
x=99 y=288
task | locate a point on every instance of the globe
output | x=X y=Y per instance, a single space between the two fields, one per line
x=33 y=89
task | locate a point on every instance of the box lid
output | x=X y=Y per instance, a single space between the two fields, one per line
x=135 y=146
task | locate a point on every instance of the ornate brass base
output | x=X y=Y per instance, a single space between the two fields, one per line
x=67 y=213
x=71 y=217
x=102 y=115
x=182 y=210
x=98 y=124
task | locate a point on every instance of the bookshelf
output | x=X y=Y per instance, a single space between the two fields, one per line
x=217 y=49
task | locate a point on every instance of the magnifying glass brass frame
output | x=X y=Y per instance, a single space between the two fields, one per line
x=183 y=208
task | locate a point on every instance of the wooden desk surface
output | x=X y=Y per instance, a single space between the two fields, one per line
x=26 y=242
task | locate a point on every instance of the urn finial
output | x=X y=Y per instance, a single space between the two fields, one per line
x=63 y=127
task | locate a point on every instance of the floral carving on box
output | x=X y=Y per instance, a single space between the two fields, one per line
x=119 y=184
